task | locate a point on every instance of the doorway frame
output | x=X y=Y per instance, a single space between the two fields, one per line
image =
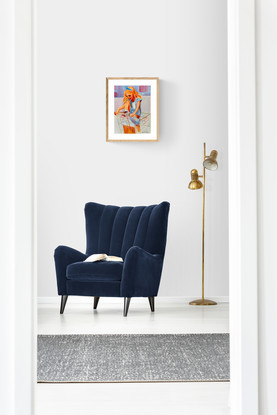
x=242 y=163
x=19 y=173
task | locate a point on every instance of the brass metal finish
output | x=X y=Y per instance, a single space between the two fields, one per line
x=203 y=302
x=209 y=163
x=195 y=183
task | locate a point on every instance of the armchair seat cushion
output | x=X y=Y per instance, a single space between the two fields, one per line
x=101 y=271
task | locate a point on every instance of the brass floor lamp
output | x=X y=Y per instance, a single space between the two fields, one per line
x=210 y=163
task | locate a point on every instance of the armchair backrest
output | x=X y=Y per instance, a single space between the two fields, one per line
x=113 y=230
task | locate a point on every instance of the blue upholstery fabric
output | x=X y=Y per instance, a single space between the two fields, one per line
x=63 y=257
x=95 y=271
x=141 y=273
x=137 y=234
x=93 y=289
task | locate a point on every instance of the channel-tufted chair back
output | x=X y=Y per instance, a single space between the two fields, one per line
x=113 y=230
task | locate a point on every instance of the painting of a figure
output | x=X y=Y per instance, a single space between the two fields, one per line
x=132 y=106
x=132 y=109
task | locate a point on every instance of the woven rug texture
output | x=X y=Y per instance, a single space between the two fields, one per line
x=133 y=358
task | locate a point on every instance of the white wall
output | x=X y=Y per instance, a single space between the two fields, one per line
x=266 y=36
x=184 y=43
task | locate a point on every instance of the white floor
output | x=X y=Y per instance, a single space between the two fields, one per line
x=171 y=316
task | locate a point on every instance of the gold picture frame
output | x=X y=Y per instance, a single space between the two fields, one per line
x=127 y=95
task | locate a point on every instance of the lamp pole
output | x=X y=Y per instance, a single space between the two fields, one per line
x=203 y=301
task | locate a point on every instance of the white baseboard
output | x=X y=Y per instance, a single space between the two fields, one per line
x=88 y=300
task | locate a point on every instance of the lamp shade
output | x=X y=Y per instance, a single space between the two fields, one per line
x=210 y=163
x=195 y=183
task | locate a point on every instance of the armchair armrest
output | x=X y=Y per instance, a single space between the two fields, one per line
x=141 y=273
x=64 y=256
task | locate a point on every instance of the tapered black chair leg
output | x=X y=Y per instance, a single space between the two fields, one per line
x=96 y=301
x=63 y=303
x=126 y=305
x=152 y=303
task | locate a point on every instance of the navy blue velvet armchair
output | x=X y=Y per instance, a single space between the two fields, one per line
x=137 y=234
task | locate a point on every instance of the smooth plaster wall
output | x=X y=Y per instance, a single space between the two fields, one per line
x=183 y=42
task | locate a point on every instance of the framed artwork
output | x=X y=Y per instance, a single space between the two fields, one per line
x=132 y=109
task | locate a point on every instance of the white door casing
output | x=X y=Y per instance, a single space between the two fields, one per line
x=19 y=217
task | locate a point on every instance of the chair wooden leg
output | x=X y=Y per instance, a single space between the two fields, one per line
x=63 y=303
x=96 y=301
x=152 y=303
x=126 y=306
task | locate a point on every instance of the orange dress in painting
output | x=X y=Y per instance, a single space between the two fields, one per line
x=132 y=107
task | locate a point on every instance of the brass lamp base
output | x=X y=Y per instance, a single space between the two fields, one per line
x=203 y=301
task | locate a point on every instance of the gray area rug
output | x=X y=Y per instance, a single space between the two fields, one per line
x=133 y=358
